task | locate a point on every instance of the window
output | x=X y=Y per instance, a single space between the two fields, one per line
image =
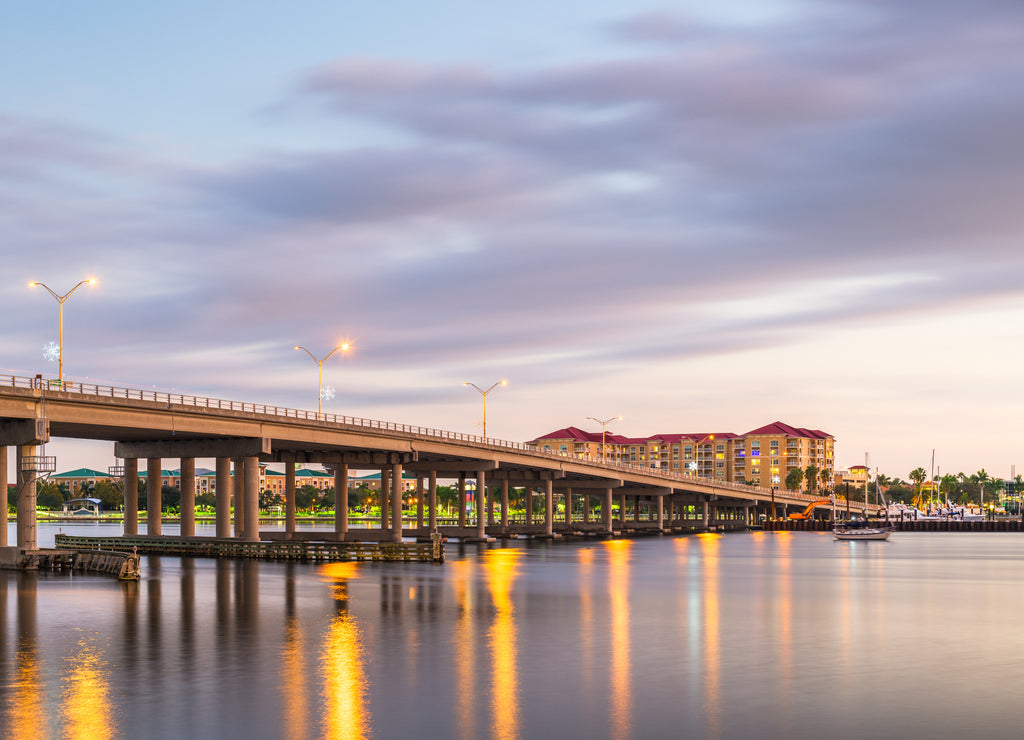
x=563 y=448
x=719 y=448
x=719 y=464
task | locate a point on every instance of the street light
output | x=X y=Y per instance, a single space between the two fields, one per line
x=604 y=449
x=60 y=339
x=484 y=394
x=320 y=373
x=696 y=455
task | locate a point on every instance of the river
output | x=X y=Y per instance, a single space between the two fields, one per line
x=768 y=635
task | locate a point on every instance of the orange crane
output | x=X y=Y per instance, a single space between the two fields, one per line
x=806 y=513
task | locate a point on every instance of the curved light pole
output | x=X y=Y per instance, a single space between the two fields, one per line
x=603 y=422
x=484 y=394
x=320 y=372
x=60 y=339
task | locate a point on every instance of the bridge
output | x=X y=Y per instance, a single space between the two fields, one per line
x=153 y=426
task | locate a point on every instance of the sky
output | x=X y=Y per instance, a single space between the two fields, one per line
x=700 y=218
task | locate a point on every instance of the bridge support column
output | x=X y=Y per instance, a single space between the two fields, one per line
x=419 y=501
x=606 y=510
x=549 y=508
x=481 y=504
x=586 y=507
x=131 y=496
x=26 y=501
x=188 y=496
x=289 y=500
x=636 y=509
x=622 y=511
x=154 y=502
x=396 y=500
x=504 y=504
x=432 y=506
x=251 y=493
x=223 y=504
x=704 y=513
x=568 y=508
x=490 y=507
x=341 y=501
x=3 y=487
x=661 y=513
x=528 y=501
x=385 y=499
x=462 y=500
x=238 y=497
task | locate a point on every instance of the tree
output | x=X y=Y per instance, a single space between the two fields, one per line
x=49 y=495
x=918 y=475
x=811 y=476
x=109 y=494
x=794 y=478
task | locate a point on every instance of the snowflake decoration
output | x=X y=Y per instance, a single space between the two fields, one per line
x=327 y=393
x=51 y=351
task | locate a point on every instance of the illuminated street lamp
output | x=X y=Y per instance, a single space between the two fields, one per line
x=603 y=422
x=60 y=299
x=484 y=394
x=320 y=373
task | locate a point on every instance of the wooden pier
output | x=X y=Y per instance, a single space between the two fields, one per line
x=103 y=561
x=325 y=551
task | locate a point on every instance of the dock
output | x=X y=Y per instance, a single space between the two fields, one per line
x=123 y=565
x=315 y=551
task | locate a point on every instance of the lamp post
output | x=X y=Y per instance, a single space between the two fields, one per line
x=603 y=423
x=320 y=372
x=484 y=394
x=60 y=339
x=696 y=453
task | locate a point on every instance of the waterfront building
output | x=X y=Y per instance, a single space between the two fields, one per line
x=77 y=479
x=761 y=457
x=856 y=477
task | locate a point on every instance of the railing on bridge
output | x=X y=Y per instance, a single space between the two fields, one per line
x=162 y=397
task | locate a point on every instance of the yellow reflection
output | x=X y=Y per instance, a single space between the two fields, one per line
x=710 y=544
x=293 y=685
x=465 y=650
x=621 y=670
x=501 y=568
x=586 y=614
x=27 y=715
x=86 y=710
x=784 y=604
x=346 y=714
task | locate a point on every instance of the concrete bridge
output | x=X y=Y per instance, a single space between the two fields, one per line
x=153 y=426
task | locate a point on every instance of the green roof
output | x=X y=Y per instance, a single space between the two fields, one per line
x=81 y=473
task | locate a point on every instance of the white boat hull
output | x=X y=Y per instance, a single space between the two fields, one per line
x=853 y=535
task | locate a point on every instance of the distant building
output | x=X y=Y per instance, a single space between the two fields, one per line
x=76 y=480
x=857 y=477
x=761 y=457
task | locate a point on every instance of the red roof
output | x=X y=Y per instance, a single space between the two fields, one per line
x=778 y=427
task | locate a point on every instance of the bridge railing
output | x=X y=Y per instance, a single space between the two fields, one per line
x=164 y=397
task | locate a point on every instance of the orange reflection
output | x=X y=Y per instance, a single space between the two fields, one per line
x=27 y=715
x=621 y=670
x=710 y=544
x=465 y=650
x=86 y=710
x=501 y=568
x=346 y=714
x=586 y=614
x=293 y=685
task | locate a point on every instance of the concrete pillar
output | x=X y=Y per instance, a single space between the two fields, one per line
x=606 y=507
x=528 y=499
x=586 y=507
x=223 y=493
x=490 y=509
x=188 y=497
x=462 y=500
x=432 y=506
x=3 y=488
x=385 y=499
x=419 y=501
x=481 y=504
x=289 y=500
x=396 y=500
x=622 y=511
x=568 y=508
x=341 y=500
x=636 y=508
x=154 y=481
x=504 y=503
x=549 y=508
x=704 y=514
x=26 y=501
x=661 y=513
x=131 y=496
x=238 y=497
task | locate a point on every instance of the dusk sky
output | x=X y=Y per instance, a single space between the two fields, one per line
x=701 y=219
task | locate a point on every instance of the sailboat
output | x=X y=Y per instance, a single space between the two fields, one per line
x=854 y=531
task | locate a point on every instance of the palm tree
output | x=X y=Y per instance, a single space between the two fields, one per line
x=811 y=476
x=918 y=475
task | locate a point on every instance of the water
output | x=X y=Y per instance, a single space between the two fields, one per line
x=787 y=635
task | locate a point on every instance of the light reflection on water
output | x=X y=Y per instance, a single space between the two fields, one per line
x=735 y=636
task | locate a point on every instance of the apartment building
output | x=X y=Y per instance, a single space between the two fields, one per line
x=761 y=457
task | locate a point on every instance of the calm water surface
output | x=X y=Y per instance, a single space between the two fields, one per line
x=737 y=636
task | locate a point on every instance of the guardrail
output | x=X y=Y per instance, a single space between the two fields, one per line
x=43 y=385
